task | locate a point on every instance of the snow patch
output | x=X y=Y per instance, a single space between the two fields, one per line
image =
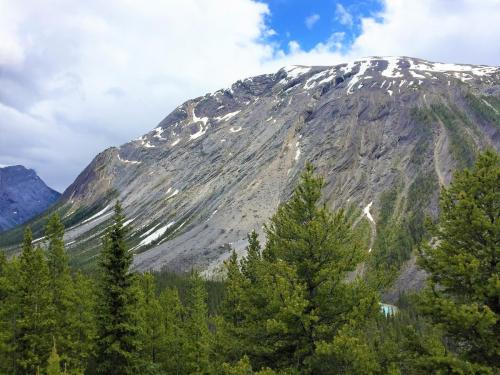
x=99 y=214
x=366 y=211
x=329 y=78
x=203 y=128
x=173 y=194
x=415 y=74
x=294 y=71
x=144 y=142
x=155 y=235
x=175 y=142
x=198 y=134
x=364 y=65
x=128 y=222
x=235 y=129
x=392 y=68
x=311 y=82
x=297 y=153
x=158 y=132
x=149 y=230
x=460 y=71
x=213 y=213
x=128 y=161
x=227 y=116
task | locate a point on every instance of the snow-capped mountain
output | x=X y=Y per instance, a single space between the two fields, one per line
x=385 y=132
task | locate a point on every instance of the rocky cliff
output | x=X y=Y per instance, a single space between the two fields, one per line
x=384 y=132
x=23 y=195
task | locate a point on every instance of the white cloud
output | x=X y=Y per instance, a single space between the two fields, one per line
x=79 y=76
x=437 y=30
x=311 y=20
x=462 y=31
x=344 y=17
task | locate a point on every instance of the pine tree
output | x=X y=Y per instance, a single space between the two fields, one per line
x=35 y=322
x=197 y=348
x=152 y=328
x=229 y=343
x=61 y=287
x=293 y=304
x=253 y=257
x=54 y=362
x=172 y=358
x=463 y=295
x=57 y=258
x=82 y=322
x=117 y=336
x=7 y=314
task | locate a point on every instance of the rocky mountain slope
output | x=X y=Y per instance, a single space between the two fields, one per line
x=385 y=132
x=23 y=195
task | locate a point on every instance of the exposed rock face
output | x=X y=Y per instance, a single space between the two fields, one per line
x=382 y=130
x=23 y=195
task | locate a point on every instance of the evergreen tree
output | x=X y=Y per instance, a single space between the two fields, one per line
x=152 y=328
x=172 y=358
x=54 y=362
x=35 y=321
x=57 y=259
x=197 y=345
x=250 y=263
x=463 y=295
x=9 y=315
x=293 y=305
x=229 y=339
x=117 y=335
x=7 y=307
x=82 y=322
x=61 y=287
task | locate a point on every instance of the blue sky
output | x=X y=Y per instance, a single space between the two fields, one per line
x=80 y=76
x=310 y=22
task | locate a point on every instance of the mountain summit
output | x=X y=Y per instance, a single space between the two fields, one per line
x=23 y=195
x=385 y=132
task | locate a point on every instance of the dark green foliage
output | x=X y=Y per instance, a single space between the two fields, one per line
x=461 y=147
x=487 y=108
x=54 y=362
x=197 y=347
x=289 y=306
x=60 y=283
x=424 y=122
x=8 y=314
x=399 y=231
x=117 y=331
x=35 y=312
x=166 y=279
x=463 y=296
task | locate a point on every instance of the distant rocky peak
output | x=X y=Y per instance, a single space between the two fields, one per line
x=23 y=195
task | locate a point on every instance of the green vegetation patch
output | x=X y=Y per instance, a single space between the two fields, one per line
x=487 y=108
x=400 y=229
x=461 y=145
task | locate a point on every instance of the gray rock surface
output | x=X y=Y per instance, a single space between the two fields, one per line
x=23 y=195
x=219 y=165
